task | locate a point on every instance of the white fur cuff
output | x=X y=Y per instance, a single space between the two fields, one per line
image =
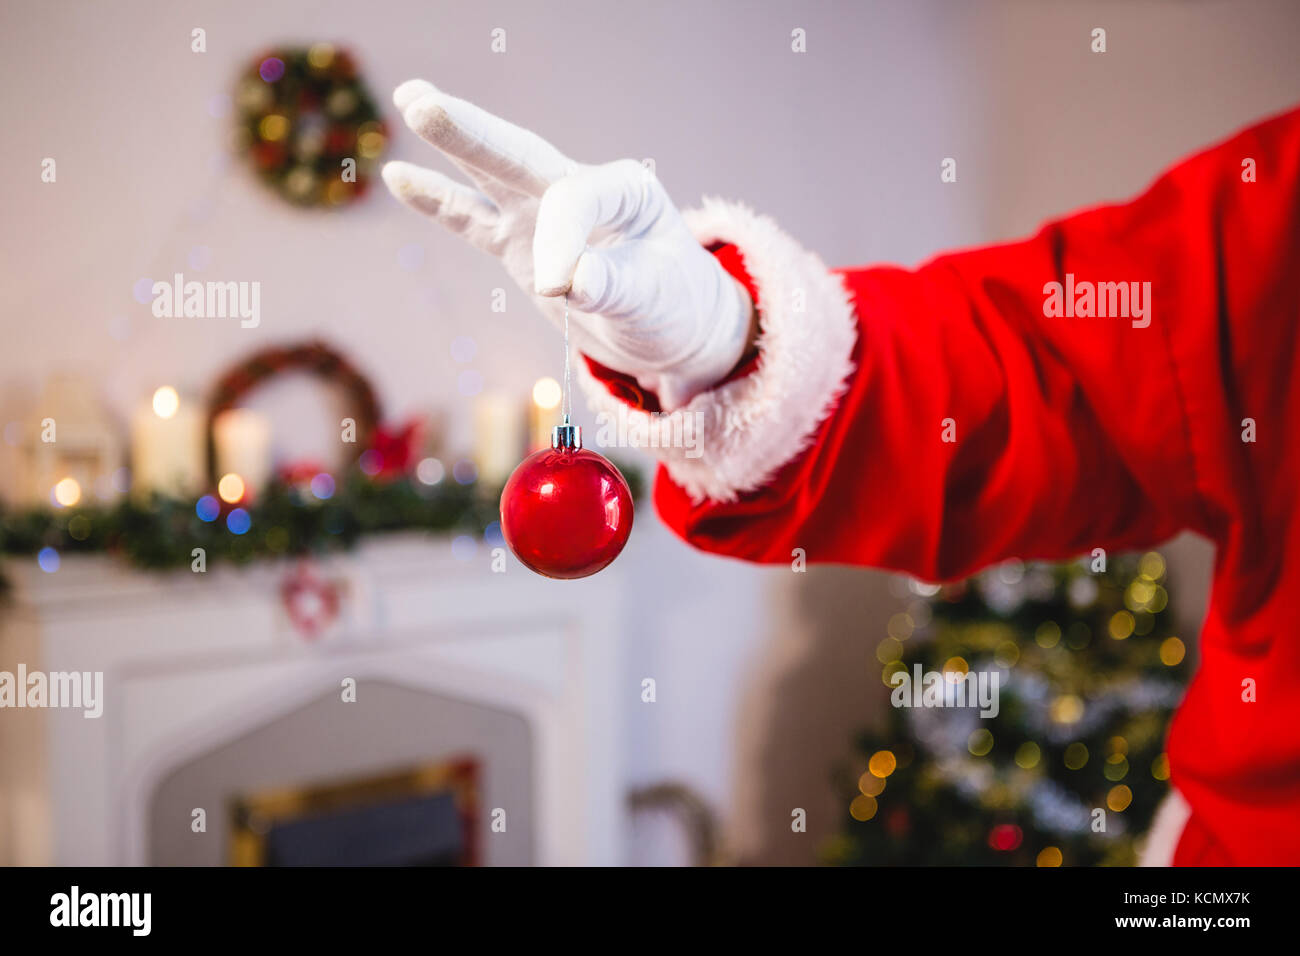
x=1166 y=829
x=746 y=430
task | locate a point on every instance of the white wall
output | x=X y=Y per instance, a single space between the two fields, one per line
x=841 y=145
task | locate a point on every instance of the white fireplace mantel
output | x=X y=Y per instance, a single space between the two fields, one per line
x=192 y=660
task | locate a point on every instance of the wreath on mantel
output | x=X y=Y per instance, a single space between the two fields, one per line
x=316 y=358
x=309 y=125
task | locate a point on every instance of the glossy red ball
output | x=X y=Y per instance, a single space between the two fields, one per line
x=566 y=513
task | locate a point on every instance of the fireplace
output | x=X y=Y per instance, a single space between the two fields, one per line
x=422 y=816
x=218 y=715
x=401 y=777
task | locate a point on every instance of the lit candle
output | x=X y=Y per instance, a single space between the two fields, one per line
x=543 y=413
x=241 y=439
x=498 y=436
x=167 y=446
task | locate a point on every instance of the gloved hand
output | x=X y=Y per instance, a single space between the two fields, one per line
x=644 y=297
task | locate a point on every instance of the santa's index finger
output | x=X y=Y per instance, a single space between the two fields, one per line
x=513 y=156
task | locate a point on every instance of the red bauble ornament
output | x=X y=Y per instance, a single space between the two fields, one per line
x=566 y=512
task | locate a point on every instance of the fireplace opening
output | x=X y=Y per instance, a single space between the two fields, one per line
x=419 y=816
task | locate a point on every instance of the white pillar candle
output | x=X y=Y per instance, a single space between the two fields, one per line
x=544 y=413
x=241 y=441
x=167 y=450
x=498 y=436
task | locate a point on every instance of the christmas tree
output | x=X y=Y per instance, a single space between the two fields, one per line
x=1068 y=675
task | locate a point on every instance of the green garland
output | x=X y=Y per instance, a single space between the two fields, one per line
x=286 y=520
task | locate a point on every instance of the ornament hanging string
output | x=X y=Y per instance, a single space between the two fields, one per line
x=565 y=394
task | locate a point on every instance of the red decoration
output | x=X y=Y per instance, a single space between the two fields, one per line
x=1005 y=837
x=311 y=602
x=393 y=451
x=299 y=473
x=566 y=512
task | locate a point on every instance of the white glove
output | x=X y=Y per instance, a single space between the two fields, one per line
x=645 y=298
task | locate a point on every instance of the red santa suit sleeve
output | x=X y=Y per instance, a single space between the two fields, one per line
x=940 y=419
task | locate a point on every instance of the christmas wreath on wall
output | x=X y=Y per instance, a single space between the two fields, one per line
x=309 y=125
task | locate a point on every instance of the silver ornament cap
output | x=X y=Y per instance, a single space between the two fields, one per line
x=566 y=436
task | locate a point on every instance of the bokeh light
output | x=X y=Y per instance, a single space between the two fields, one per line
x=882 y=763
x=322 y=486
x=320 y=56
x=1076 y=756
x=48 y=559
x=1027 y=755
x=1049 y=856
x=430 y=471
x=892 y=668
x=463 y=547
x=1005 y=837
x=231 y=488
x=863 y=807
x=273 y=127
x=900 y=626
x=1048 y=635
x=1172 y=652
x=207 y=508
x=547 y=393
x=1066 y=709
x=1152 y=566
x=1160 y=767
x=1007 y=654
x=271 y=69
x=463 y=349
x=1119 y=798
x=166 y=402
x=67 y=492
x=870 y=784
x=890 y=649
x=1121 y=625
x=238 y=521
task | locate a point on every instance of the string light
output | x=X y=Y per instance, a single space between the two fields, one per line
x=1049 y=856
x=889 y=650
x=1076 y=756
x=1172 y=651
x=870 y=784
x=900 y=626
x=980 y=742
x=1028 y=755
x=863 y=807
x=882 y=763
